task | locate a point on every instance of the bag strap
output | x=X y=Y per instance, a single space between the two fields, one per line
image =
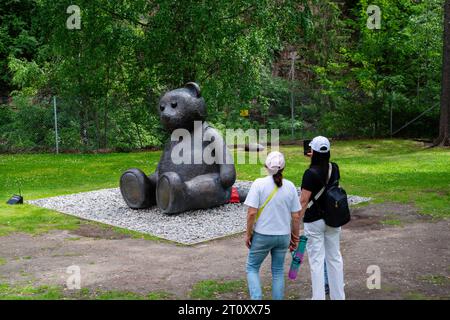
x=266 y=202
x=319 y=194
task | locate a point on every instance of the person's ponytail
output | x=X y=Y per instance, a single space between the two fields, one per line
x=278 y=178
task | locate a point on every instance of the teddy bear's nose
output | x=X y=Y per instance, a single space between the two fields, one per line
x=161 y=107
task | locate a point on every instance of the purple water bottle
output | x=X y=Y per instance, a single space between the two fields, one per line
x=297 y=258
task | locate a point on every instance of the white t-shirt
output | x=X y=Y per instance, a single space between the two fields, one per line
x=276 y=217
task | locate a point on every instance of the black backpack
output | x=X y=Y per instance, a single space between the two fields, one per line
x=335 y=210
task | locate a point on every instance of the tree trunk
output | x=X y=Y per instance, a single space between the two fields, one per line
x=97 y=129
x=105 y=124
x=83 y=126
x=105 y=113
x=444 y=136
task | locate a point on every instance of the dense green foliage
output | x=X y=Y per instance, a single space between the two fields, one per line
x=17 y=39
x=108 y=75
x=371 y=71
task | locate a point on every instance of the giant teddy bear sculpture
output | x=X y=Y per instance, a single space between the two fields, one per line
x=184 y=179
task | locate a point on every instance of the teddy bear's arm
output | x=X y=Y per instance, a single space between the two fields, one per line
x=224 y=159
x=227 y=175
x=227 y=169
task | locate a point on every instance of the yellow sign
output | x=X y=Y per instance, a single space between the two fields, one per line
x=244 y=113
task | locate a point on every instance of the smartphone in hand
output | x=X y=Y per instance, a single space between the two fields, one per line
x=306 y=147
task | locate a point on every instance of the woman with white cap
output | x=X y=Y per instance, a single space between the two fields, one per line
x=273 y=222
x=323 y=240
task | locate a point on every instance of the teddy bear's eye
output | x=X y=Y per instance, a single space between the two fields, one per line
x=174 y=104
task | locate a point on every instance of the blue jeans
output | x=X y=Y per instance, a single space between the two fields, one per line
x=260 y=248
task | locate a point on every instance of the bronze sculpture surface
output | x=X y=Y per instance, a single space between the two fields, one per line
x=185 y=178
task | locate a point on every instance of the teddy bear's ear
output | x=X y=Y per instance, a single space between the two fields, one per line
x=194 y=88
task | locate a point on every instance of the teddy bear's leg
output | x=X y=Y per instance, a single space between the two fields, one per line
x=243 y=192
x=204 y=191
x=171 y=193
x=137 y=189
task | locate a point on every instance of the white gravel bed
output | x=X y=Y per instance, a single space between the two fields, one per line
x=107 y=206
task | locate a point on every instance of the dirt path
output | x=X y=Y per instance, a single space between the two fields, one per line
x=412 y=252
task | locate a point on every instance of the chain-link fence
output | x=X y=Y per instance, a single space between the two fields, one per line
x=56 y=124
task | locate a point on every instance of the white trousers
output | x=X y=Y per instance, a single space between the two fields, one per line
x=323 y=245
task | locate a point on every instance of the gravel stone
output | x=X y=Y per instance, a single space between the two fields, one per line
x=107 y=206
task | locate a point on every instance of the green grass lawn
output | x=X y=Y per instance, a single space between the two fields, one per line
x=30 y=292
x=212 y=289
x=386 y=170
x=203 y=290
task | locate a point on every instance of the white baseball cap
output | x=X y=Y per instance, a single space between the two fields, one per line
x=274 y=162
x=320 y=144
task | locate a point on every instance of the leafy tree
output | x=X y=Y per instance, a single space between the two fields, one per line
x=394 y=68
x=16 y=37
x=109 y=74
